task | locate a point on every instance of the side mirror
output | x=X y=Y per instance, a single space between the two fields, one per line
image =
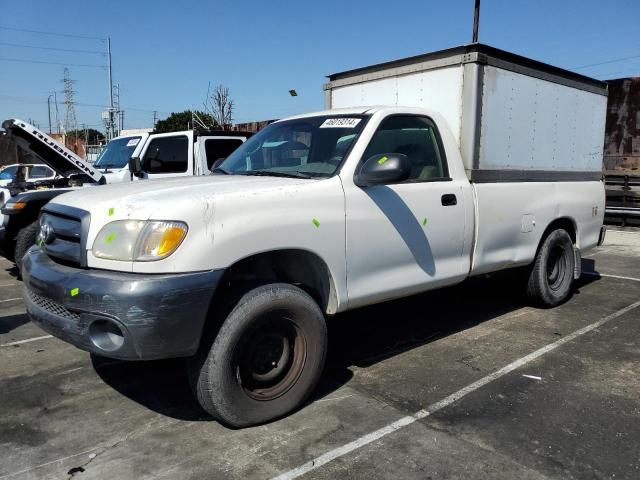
x=135 y=167
x=382 y=169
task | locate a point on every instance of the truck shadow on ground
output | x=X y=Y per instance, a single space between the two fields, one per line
x=12 y=322
x=359 y=338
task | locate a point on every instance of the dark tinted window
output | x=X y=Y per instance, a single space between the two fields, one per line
x=8 y=173
x=167 y=155
x=40 y=171
x=220 y=148
x=417 y=138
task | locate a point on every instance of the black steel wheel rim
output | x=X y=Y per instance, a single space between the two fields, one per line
x=271 y=357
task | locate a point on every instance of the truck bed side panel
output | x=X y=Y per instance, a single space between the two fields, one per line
x=512 y=217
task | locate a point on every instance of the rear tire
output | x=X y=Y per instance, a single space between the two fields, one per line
x=265 y=359
x=25 y=239
x=550 y=280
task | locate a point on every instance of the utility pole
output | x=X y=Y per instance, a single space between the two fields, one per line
x=155 y=118
x=49 y=110
x=476 y=20
x=55 y=101
x=110 y=132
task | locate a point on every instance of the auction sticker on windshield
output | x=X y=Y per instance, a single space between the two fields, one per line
x=133 y=142
x=340 y=122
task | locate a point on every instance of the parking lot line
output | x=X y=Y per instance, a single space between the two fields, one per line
x=596 y=274
x=28 y=340
x=454 y=397
x=9 y=285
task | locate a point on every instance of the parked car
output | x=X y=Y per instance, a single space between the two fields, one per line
x=481 y=161
x=26 y=172
x=164 y=155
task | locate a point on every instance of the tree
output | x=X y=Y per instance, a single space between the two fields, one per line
x=222 y=106
x=179 y=121
x=94 y=137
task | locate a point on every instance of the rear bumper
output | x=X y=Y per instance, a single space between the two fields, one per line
x=118 y=315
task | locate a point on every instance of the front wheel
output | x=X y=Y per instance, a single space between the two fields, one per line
x=25 y=239
x=265 y=359
x=551 y=276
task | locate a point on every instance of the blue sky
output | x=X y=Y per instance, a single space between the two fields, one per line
x=166 y=52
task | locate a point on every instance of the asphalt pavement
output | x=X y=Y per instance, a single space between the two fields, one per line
x=465 y=382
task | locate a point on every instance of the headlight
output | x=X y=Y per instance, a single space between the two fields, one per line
x=137 y=240
x=15 y=205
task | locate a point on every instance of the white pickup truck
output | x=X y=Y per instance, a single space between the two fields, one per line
x=162 y=155
x=481 y=161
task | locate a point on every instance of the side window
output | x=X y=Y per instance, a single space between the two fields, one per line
x=40 y=171
x=167 y=155
x=217 y=148
x=418 y=139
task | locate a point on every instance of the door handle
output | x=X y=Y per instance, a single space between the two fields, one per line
x=449 y=199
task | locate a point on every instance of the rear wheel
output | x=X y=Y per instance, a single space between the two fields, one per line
x=265 y=359
x=551 y=276
x=25 y=239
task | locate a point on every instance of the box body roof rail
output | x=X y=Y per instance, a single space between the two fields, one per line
x=474 y=53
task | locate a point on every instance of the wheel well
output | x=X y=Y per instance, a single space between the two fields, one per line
x=566 y=224
x=298 y=267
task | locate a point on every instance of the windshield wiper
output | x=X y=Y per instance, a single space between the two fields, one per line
x=220 y=170
x=274 y=173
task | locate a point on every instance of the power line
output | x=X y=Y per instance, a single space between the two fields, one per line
x=20 y=45
x=606 y=62
x=78 y=104
x=40 y=32
x=627 y=72
x=50 y=63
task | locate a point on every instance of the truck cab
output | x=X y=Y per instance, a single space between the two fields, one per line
x=183 y=154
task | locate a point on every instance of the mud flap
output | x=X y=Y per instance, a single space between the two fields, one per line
x=577 y=269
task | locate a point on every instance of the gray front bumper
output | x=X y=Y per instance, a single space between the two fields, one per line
x=118 y=315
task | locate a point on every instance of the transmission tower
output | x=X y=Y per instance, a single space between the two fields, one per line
x=70 y=112
x=116 y=109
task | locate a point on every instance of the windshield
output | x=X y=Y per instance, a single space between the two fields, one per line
x=306 y=147
x=117 y=152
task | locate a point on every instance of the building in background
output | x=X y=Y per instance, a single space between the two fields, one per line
x=622 y=151
x=622 y=133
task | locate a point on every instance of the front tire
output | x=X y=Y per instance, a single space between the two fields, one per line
x=551 y=277
x=25 y=239
x=265 y=359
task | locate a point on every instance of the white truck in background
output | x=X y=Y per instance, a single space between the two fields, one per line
x=162 y=155
x=478 y=161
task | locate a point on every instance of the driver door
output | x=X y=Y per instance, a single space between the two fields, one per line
x=406 y=237
x=168 y=155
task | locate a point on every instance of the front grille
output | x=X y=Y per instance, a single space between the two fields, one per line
x=61 y=231
x=52 y=307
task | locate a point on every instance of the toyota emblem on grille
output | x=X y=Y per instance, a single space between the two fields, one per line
x=47 y=234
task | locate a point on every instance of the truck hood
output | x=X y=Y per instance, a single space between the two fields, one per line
x=141 y=199
x=47 y=150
